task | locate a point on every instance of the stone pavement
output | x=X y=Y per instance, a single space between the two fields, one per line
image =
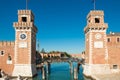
x=113 y=76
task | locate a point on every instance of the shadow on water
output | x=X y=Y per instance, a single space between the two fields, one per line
x=61 y=71
x=80 y=73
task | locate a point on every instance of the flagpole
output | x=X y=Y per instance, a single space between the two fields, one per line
x=94 y=4
x=26 y=4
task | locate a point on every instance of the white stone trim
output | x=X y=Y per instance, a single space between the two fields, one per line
x=23 y=30
x=97 y=17
x=98 y=31
x=20 y=35
x=9 y=62
x=115 y=70
x=30 y=46
x=28 y=70
x=24 y=15
x=90 y=69
x=15 y=53
x=90 y=48
x=98 y=44
x=106 y=48
x=87 y=69
x=22 y=44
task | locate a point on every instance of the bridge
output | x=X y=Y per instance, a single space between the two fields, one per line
x=64 y=59
x=46 y=64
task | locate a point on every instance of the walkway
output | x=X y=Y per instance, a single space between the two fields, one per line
x=115 y=76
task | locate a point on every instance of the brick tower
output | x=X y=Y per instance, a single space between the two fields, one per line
x=96 y=45
x=25 y=44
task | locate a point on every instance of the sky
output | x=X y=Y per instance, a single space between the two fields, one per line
x=60 y=23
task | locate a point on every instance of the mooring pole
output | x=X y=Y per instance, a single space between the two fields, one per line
x=75 y=74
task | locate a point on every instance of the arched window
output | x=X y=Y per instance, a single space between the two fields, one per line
x=108 y=39
x=118 y=39
x=24 y=19
x=2 y=53
x=97 y=20
x=115 y=66
x=9 y=60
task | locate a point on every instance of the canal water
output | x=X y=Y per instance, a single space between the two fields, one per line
x=61 y=71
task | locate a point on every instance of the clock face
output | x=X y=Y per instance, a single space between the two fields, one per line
x=23 y=36
x=98 y=36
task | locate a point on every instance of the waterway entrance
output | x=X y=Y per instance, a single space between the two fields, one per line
x=61 y=71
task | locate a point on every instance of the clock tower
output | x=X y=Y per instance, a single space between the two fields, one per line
x=96 y=45
x=25 y=44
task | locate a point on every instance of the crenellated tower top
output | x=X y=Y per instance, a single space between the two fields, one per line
x=25 y=20
x=7 y=43
x=25 y=13
x=95 y=20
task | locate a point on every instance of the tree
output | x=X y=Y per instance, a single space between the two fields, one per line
x=67 y=55
x=42 y=51
x=38 y=58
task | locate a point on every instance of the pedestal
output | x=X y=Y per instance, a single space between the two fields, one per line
x=26 y=70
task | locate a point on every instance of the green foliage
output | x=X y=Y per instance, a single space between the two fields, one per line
x=42 y=51
x=38 y=58
x=67 y=55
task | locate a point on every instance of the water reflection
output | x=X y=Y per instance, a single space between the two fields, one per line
x=61 y=71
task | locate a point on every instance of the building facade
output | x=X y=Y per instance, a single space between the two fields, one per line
x=7 y=57
x=18 y=58
x=102 y=50
x=51 y=55
x=79 y=55
x=113 y=43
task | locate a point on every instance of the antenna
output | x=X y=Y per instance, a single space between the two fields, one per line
x=26 y=4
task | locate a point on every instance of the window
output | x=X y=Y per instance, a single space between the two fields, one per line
x=9 y=60
x=24 y=27
x=108 y=39
x=2 y=53
x=24 y=19
x=118 y=39
x=97 y=20
x=20 y=27
x=28 y=28
x=115 y=66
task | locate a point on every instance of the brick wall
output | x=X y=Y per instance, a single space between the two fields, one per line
x=113 y=50
x=8 y=49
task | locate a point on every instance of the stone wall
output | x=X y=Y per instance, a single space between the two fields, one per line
x=90 y=69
